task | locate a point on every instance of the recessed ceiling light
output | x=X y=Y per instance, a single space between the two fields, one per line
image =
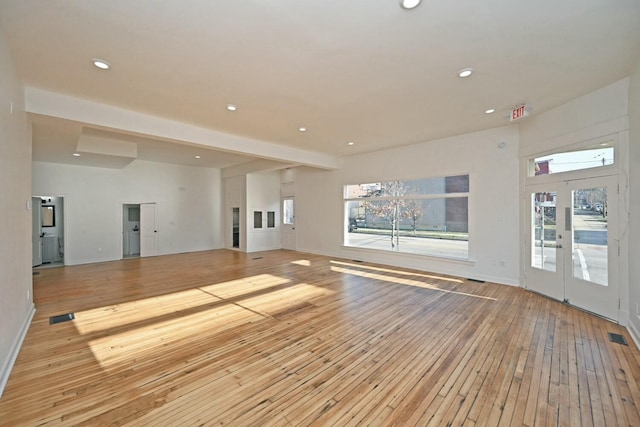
x=604 y=144
x=231 y=107
x=101 y=63
x=76 y=154
x=490 y=111
x=302 y=129
x=197 y=157
x=409 y=4
x=465 y=72
x=351 y=143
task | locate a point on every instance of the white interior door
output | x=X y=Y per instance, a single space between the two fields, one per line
x=572 y=254
x=148 y=230
x=288 y=234
x=36 y=231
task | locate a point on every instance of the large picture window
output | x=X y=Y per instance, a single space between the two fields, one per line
x=425 y=216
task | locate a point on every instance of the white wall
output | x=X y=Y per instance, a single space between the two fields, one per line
x=595 y=114
x=253 y=192
x=188 y=212
x=16 y=296
x=263 y=194
x=634 y=201
x=493 y=201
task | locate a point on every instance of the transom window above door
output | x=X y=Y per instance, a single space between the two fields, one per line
x=569 y=161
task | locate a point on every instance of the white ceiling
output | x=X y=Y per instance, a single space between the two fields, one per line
x=365 y=71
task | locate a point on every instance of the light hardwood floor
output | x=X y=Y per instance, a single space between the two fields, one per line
x=283 y=338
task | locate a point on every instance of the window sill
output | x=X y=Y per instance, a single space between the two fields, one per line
x=445 y=259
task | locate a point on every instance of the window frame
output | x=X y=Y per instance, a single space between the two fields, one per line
x=411 y=197
x=608 y=141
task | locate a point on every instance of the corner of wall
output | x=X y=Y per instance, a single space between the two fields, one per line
x=7 y=365
x=635 y=336
x=633 y=268
x=16 y=301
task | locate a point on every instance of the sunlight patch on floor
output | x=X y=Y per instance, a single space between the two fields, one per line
x=178 y=333
x=397 y=272
x=245 y=286
x=401 y=281
x=138 y=311
x=145 y=328
x=281 y=299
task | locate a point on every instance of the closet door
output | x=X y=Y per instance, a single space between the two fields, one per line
x=148 y=230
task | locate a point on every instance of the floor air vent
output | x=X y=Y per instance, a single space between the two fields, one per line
x=61 y=318
x=617 y=338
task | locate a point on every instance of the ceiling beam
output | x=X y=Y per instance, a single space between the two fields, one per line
x=51 y=104
x=255 y=166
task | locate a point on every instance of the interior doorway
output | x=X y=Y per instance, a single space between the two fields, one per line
x=48 y=243
x=236 y=228
x=139 y=230
x=130 y=230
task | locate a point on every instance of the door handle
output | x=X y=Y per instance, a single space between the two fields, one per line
x=559 y=246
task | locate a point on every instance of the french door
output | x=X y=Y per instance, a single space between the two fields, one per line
x=572 y=252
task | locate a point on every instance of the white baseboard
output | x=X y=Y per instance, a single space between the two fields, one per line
x=7 y=365
x=634 y=334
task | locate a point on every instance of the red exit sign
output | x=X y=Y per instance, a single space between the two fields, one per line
x=519 y=112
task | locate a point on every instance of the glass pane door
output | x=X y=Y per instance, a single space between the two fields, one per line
x=592 y=283
x=572 y=252
x=545 y=267
x=545 y=240
x=590 y=235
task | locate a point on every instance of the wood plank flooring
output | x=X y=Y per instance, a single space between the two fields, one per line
x=283 y=338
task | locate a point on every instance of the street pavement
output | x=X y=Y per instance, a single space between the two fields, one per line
x=412 y=245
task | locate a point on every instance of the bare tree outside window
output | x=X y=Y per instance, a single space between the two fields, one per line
x=413 y=212
x=393 y=209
